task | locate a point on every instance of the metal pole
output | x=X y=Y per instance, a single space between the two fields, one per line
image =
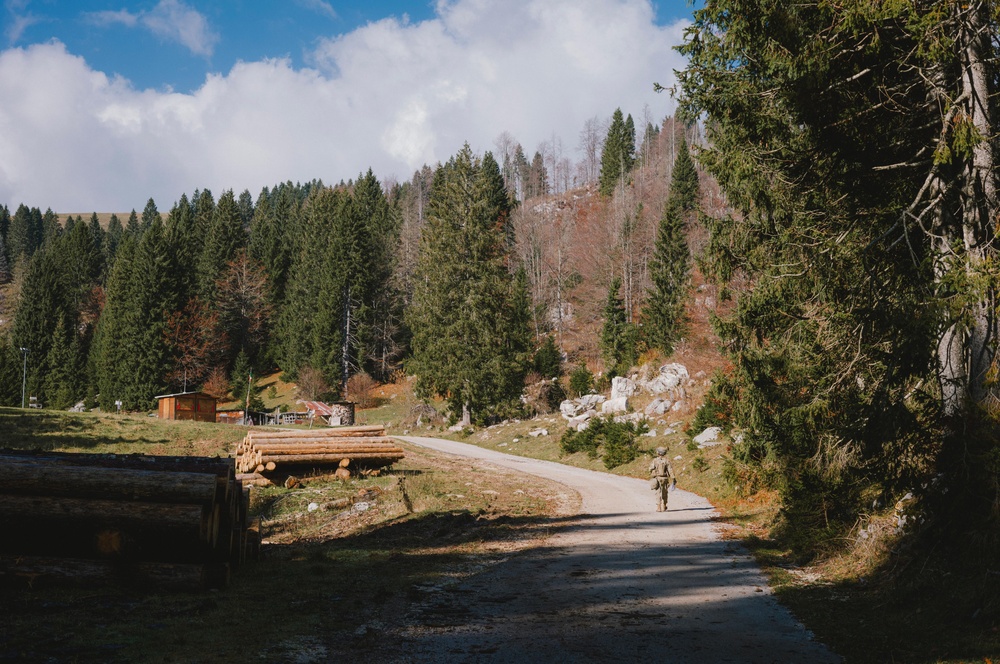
x=24 y=376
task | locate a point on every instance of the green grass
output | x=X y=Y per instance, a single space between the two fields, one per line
x=121 y=434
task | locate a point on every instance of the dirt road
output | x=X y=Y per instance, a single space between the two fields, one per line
x=619 y=582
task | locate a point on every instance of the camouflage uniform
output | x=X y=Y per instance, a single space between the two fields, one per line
x=663 y=472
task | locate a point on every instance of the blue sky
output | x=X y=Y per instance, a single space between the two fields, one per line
x=109 y=103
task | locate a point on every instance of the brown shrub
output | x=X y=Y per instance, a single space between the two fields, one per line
x=217 y=384
x=361 y=390
x=311 y=385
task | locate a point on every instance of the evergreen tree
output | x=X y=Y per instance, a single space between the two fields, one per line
x=149 y=215
x=469 y=329
x=112 y=239
x=43 y=306
x=618 y=155
x=132 y=226
x=670 y=266
x=618 y=336
x=548 y=359
x=857 y=143
x=20 y=236
x=4 y=226
x=132 y=357
x=62 y=384
x=48 y=227
x=98 y=235
x=272 y=235
x=5 y=271
x=245 y=205
x=187 y=244
x=225 y=237
x=537 y=183
x=10 y=373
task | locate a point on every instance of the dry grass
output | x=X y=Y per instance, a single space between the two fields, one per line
x=324 y=574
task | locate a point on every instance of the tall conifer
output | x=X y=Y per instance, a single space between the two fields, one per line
x=670 y=266
x=468 y=339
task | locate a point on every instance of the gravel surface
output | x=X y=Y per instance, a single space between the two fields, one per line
x=618 y=582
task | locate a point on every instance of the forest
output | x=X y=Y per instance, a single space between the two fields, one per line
x=448 y=276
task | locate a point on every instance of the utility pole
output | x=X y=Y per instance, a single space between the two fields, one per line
x=24 y=376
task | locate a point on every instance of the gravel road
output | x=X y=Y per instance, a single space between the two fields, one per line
x=618 y=582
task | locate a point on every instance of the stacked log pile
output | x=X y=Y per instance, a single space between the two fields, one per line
x=359 y=446
x=178 y=522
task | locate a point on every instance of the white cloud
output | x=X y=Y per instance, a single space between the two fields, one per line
x=319 y=6
x=391 y=95
x=106 y=18
x=17 y=20
x=171 y=20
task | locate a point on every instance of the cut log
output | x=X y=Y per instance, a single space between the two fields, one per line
x=194 y=519
x=325 y=449
x=34 y=477
x=365 y=430
x=286 y=459
x=330 y=440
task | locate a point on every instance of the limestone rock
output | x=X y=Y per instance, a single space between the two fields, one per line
x=623 y=387
x=709 y=437
x=612 y=406
x=658 y=407
x=589 y=401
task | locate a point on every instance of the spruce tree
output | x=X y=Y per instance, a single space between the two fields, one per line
x=48 y=227
x=43 y=306
x=149 y=215
x=856 y=142
x=4 y=225
x=670 y=266
x=187 y=245
x=5 y=271
x=62 y=384
x=132 y=357
x=10 y=372
x=469 y=327
x=111 y=241
x=225 y=237
x=98 y=235
x=132 y=226
x=618 y=335
x=548 y=359
x=20 y=236
x=611 y=162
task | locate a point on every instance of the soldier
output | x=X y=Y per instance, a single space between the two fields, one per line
x=664 y=473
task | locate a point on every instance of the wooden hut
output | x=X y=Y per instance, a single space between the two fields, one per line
x=187 y=406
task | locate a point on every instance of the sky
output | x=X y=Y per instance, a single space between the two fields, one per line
x=107 y=103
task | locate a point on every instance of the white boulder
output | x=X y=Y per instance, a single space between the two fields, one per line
x=589 y=401
x=569 y=408
x=612 y=406
x=658 y=407
x=623 y=387
x=709 y=437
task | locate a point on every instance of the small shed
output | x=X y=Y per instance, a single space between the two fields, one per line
x=187 y=406
x=335 y=414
